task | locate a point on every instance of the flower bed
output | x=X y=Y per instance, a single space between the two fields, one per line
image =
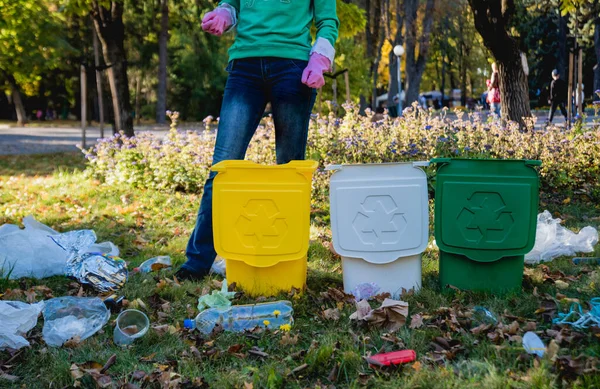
x=181 y=161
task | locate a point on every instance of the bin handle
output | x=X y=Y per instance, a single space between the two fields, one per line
x=533 y=162
x=441 y=161
x=329 y=168
x=420 y=163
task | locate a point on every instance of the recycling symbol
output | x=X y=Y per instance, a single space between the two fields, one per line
x=485 y=219
x=261 y=225
x=379 y=221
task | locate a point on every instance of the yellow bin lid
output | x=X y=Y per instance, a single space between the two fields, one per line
x=261 y=213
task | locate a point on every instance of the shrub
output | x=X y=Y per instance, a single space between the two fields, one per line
x=181 y=161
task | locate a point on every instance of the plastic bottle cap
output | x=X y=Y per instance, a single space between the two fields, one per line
x=189 y=324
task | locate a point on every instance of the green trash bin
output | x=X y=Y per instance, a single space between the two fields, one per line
x=485 y=221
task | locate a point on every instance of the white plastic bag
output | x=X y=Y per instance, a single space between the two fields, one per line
x=218 y=266
x=553 y=240
x=16 y=319
x=72 y=317
x=32 y=251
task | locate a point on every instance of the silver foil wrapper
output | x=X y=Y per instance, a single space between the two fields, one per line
x=103 y=272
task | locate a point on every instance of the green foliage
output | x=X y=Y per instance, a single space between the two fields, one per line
x=352 y=19
x=32 y=41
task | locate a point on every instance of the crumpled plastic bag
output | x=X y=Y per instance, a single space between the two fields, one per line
x=217 y=299
x=218 y=266
x=553 y=240
x=33 y=251
x=365 y=291
x=16 y=319
x=390 y=316
x=75 y=318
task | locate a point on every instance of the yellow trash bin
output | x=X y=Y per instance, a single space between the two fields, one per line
x=261 y=223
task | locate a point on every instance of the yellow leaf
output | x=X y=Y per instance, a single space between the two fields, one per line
x=248 y=385
x=416 y=366
x=567 y=200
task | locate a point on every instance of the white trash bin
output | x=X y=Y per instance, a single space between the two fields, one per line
x=380 y=223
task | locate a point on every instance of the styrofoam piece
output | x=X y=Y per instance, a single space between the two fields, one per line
x=390 y=277
x=379 y=212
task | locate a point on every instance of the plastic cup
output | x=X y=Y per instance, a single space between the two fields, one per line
x=131 y=325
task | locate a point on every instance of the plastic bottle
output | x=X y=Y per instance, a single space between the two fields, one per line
x=239 y=318
x=158 y=263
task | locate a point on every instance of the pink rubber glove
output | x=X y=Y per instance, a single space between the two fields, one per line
x=313 y=74
x=217 y=21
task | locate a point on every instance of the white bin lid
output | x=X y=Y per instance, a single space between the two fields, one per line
x=379 y=212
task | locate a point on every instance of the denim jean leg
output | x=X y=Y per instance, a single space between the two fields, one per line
x=292 y=103
x=244 y=102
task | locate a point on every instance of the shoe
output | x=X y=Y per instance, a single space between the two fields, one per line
x=184 y=274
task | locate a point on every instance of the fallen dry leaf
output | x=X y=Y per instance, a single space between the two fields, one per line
x=235 y=348
x=552 y=350
x=31 y=296
x=73 y=342
x=248 y=385
x=331 y=314
x=416 y=366
x=416 y=321
x=287 y=339
x=560 y=284
x=300 y=368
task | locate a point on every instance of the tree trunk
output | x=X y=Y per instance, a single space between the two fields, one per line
x=492 y=22
x=163 y=38
x=110 y=29
x=138 y=91
x=415 y=65
x=17 y=101
x=562 y=47
x=597 y=66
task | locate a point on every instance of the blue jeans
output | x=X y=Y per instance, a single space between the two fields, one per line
x=252 y=83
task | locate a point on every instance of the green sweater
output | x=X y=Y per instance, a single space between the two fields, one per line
x=281 y=28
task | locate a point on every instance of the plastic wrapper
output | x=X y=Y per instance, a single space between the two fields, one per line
x=69 y=317
x=30 y=252
x=365 y=291
x=102 y=271
x=36 y=250
x=217 y=299
x=16 y=319
x=553 y=240
x=533 y=344
x=218 y=266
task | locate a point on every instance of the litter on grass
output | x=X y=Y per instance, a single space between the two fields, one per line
x=38 y=251
x=16 y=319
x=578 y=319
x=72 y=318
x=365 y=291
x=553 y=240
x=217 y=299
x=533 y=344
x=391 y=315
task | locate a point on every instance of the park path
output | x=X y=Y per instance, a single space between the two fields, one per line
x=39 y=140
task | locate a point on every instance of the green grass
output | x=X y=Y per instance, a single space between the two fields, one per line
x=143 y=224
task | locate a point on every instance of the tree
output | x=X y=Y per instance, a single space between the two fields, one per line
x=492 y=21
x=108 y=21
x=415 y=65
x=31 y=42
x=163 y=38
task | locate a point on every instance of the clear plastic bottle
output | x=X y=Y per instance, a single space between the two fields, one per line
x=159 y=262
x=239 y=318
